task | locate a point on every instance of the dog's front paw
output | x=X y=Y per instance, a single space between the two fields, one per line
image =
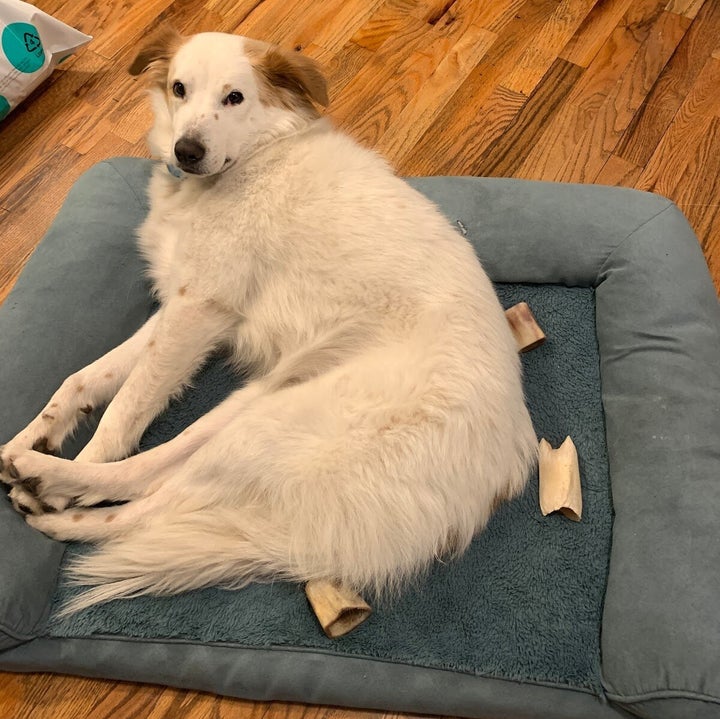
x=27 y=503
x=28 y=494
x=9 y=452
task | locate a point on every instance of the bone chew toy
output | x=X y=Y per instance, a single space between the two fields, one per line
x=560 y=480
x=525 y=329
x=338 y=609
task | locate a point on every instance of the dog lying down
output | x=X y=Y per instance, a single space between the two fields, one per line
x=385 y=417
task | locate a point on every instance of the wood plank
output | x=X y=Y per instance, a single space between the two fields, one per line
x=272 y=20
x=688 y=8
x=585 y=44
x=563 y=134
x=452 y=153
x=129 y=26
x=330 y=26
x=342 y=68
x=457 y=137
x=618 y=172
x=90 y=16
x=381 y=77
x=698 y=195
x=369 y=123
x=534 y=63
x=672 y=86
x=626 y=98
x=507 y=154
x=687 y=131
x=444 y=14
x=387 y=21
x=423 y=108
x=506 y=13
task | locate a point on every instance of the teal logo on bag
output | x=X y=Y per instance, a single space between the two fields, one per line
x=4 y=107
x=22 y=46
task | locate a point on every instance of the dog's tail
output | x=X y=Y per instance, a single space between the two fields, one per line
x=178 y=553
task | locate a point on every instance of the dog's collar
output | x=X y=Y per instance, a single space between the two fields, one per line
x=175 y=171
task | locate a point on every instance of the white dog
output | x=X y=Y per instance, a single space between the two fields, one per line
x=385 y=418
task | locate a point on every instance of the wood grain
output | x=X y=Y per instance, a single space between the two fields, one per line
x=687 y=131
x=673 y=84
x=619 y=92
x=537 y=57
x=600 y=22
x=451 y=145
x=563 y=136
x=688 y=8
x=614 y=115
x=504 y=156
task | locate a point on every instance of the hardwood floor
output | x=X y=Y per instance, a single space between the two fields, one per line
x=618 y=92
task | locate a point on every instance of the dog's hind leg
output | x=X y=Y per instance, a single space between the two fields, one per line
x=99 y=523
x=86 y=483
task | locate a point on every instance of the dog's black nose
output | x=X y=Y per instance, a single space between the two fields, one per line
x=189 y=152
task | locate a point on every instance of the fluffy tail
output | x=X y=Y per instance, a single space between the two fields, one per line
x=180 y=553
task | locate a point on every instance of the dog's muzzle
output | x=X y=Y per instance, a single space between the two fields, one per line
x=189 y=153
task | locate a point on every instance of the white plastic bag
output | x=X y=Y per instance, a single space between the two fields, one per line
x=32 y=44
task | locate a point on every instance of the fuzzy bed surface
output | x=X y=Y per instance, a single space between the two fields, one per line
x=514 y=606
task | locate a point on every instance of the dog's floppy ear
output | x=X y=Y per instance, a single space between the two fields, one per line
x=294 y=73
x=156 y=52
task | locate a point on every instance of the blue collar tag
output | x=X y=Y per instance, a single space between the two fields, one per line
x=175 y=171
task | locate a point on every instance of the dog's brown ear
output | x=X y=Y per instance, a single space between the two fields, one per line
x=156 y=52
x=292 y=72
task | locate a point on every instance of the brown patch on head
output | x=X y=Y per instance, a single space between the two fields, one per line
x=151 y=343
x=216 y=116
x=182 y=290
x=110 y=517
x=80 y=388
x=47 y=415
x=286 y=78
x=155 y=54
x=77 y=516
x=108 y=375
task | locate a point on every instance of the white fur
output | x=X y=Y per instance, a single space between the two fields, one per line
x=386 y=414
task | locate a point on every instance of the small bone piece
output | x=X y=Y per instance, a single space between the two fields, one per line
x=560 y=480
x=525 y=329
x=338 y=610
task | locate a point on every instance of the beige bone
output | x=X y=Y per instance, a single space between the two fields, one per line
x=338 y=610
x=560 y=489
x=525 y=329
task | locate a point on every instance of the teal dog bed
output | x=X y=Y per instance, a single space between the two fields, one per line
x=542 y=617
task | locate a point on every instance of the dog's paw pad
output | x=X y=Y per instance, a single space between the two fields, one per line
x=23 y=502
x=31 y=485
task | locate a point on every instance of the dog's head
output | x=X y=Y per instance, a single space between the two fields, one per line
x=218 y=97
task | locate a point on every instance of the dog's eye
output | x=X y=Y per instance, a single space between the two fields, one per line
x=234 y=98
x=178 y=89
